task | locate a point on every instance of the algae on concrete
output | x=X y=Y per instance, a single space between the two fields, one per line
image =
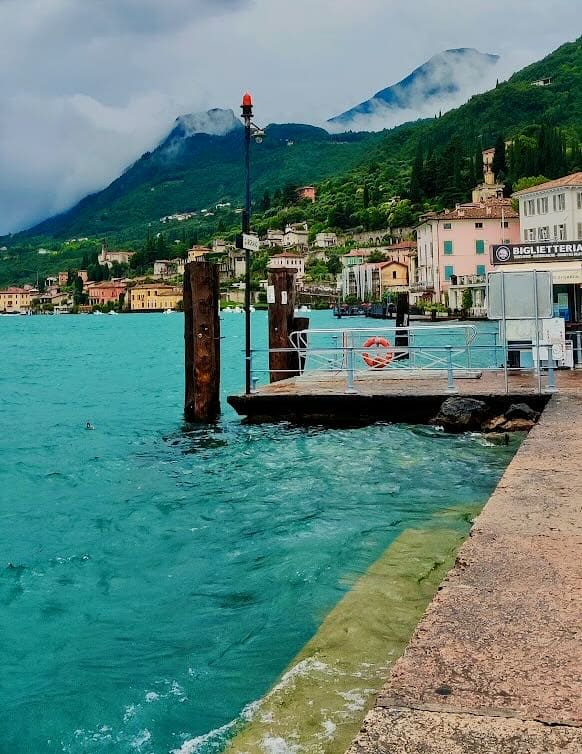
x=320 y=701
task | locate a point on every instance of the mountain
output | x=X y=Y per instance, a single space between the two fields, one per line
x=435 y=86
x=199 y=164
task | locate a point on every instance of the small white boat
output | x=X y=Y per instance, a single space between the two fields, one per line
x=97 y=313
x=113 y=313
x=228 y=310
x=237 y=310
x=169 y=311
x=253 y=309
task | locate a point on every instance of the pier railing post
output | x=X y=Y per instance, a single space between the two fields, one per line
x=350 y=364
x=450 y=376
x=202 y=341
x=551 y=387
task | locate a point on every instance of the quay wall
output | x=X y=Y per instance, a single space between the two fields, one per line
x=495 y=664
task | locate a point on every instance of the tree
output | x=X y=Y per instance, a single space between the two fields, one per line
x=467 y=300
x=266 y=201
x=334 y=265
x=377 y=256
x=499 y=164
x=417 y=176
x=366 y=196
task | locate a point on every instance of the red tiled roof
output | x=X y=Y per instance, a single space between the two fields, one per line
x=575 y=179
x=495 y=209
x=287 y=254
x=401 y=245
x=14 y=289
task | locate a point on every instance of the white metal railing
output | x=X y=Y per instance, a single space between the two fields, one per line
x=452 y=353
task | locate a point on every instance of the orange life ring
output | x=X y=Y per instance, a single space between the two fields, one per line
x=379 y=360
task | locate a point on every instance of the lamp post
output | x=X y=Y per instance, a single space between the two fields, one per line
x=247 y=115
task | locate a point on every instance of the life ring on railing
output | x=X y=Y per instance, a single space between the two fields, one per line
x=380 y=359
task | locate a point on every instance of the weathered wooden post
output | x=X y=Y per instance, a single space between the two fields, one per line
x=282 y=322
x=202 y=341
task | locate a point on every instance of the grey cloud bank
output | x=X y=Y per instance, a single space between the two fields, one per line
x=87 y=87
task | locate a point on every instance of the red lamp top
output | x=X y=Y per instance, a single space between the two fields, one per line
x=247 y=100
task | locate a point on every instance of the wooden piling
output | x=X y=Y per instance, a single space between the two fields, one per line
x=282 y=322
x=202 y=341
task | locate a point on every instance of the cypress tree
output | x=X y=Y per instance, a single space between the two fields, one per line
x=417 y=176
x=499 y=165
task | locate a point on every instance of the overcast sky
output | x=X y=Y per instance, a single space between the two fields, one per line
x=88 y=85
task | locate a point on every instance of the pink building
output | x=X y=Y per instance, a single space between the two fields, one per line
x=105 y=292
x=307 y=192
x=453 y=250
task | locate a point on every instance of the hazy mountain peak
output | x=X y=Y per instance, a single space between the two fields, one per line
x=214 y=122
x=444 y=81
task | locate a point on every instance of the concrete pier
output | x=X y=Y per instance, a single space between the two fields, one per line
x=495 y=666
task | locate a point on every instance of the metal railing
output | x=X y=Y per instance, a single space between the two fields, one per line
x=451 y=352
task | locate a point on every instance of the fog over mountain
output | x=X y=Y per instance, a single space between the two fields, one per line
x=89 y=86
x=443 y=82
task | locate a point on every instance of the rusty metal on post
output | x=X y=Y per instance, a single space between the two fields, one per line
x=282 y=322
x=202 y=341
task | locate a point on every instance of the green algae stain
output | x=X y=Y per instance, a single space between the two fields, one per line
x=320 y=701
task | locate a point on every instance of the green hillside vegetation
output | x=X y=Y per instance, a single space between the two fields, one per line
x=366 y=181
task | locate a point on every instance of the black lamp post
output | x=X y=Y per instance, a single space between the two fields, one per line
x=247 y=115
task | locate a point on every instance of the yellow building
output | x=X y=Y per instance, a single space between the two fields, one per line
x=153 y=297
x=393 y=277
x=14 y=300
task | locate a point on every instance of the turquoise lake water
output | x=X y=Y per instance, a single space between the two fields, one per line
x=156 y=578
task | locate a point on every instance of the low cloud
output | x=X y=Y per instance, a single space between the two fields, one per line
x=88 y=86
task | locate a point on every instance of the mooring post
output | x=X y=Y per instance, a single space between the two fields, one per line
x=202 y=341
x=281 y=299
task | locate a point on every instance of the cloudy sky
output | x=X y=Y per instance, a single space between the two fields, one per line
x=88 y=85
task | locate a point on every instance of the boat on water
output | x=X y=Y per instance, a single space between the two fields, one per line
x=169 y=311
x=97 y=314
x=113 y=313
x=302 y=309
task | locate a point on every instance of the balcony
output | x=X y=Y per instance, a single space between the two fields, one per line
x=422 y=288
x=467 y=281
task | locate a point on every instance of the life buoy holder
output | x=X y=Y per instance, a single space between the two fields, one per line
x=380 y=359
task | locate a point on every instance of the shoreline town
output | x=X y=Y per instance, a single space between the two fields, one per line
x=441 y=265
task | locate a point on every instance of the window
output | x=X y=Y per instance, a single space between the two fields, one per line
x=544 y=233
x=579 y=200
x=579 y=231
x=448 y=247
x=560 y=232
x=480 y=247
x=543 y=205
x=447 y=226
x=393 y=274
x=449 y=271
x=505 y=224
x=530 y=207
x=529 y=234
x=481 y=269
x=559 y=202
x=478 y=225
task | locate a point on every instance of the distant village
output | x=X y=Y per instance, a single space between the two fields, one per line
x=442 y=263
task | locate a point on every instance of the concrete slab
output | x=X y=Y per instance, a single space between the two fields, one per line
x=397 y=731
x=496 y=663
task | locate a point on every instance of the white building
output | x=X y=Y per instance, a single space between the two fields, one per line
x=294 y=262
x=296 y=236
x=551 y=239
x=325 y=240
x=552 y=211
x=109 y=257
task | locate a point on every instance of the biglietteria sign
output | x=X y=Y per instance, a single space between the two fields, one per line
x=535 y=252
